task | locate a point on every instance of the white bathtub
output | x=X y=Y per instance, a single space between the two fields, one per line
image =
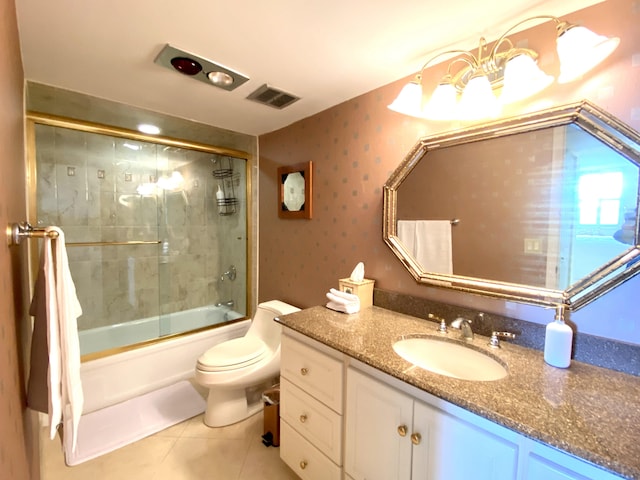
x=136 y=331
x=119 y=377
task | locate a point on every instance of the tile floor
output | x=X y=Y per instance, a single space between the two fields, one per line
x=187 y=451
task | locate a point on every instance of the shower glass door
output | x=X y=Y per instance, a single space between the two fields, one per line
x=156 y=230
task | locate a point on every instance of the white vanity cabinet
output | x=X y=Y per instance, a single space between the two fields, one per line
x=311 y=402
x=341 y=418
x=542 y=462
x=389 y=434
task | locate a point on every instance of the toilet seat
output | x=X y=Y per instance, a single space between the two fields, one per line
x=232 y=354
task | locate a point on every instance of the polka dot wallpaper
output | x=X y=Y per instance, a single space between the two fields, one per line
x=356 y=145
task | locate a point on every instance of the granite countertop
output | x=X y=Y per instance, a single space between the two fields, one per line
x=590 y=412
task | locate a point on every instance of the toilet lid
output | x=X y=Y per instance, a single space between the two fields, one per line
x=231 y=354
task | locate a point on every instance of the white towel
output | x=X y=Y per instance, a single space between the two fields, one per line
x=344 y=297
x=343 y=301
x=58 y=293
x=433 y=245
x=339 y=307
x=429 y=241
x=407 y=235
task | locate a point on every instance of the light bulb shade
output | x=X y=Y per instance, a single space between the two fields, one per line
x=409 y=100
x=580 y=50
x=522 y=79
x=442 y=104
x=478 y=100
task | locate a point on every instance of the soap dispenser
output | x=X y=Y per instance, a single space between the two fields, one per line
x=557 y=341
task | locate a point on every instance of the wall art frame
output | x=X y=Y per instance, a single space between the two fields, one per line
x=295 y=189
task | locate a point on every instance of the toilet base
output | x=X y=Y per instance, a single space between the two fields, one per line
x=225 y=407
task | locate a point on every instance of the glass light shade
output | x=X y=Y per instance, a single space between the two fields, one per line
x=409 y=100
x=580 y=50
x=442 y=104
x=522 y=79
x=478 y=100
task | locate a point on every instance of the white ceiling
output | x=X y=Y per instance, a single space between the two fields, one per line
x=325 y=51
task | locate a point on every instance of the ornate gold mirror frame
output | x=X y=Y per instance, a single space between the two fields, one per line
x=616 y=135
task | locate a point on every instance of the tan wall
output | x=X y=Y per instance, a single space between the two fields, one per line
x=18 y=455
x=357 y=144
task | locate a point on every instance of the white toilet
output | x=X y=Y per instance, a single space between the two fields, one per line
x=231 y=368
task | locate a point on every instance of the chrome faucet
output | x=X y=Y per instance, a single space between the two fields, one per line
x=228 y=303
x=464 y=325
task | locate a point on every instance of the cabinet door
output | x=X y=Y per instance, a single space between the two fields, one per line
x=547 y=463
x=374 y=448
x=455 y=449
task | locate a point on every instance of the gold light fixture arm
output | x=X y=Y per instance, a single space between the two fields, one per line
x=503 y=37
x=465 y=57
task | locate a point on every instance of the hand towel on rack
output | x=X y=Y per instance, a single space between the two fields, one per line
x=407 y=234
x=433 y=245
x=56 y=291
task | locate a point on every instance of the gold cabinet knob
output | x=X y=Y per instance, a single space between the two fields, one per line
x=402 y=430
x=303 y=418
x=303 y=464
x=304 y=371
x=416 y=438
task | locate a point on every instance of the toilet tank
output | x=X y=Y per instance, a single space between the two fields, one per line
x=263 y=325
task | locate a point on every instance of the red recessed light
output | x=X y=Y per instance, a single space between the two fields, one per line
x=186 y=65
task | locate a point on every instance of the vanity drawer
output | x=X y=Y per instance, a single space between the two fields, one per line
x=303 y=458
x=315 y=372
x=313 y=420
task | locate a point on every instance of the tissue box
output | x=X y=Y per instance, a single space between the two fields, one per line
x=363 y=289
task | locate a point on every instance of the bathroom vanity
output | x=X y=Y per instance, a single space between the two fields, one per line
x=353 y=408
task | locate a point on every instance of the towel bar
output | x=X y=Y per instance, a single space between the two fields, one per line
x=17 y=231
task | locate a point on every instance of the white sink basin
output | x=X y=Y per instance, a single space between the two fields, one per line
x=449 y=358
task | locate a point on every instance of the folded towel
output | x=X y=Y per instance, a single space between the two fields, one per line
x=350 y=297
x=338 y=300
x=342 y=300
x=338 y=307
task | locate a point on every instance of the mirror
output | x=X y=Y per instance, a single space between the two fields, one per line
x=540 y=209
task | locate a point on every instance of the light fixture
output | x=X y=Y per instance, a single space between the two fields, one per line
x=148 y=129
x=467 y=91
x=200 y=68
x=185 y=65
x=220 y=78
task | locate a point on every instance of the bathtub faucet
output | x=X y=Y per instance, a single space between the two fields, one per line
x=228 y=303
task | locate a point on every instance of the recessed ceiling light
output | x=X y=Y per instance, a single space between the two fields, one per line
x=220 y=79
x=148 y=128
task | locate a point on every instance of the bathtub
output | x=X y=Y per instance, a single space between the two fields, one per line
x=137 y=331
x=122 y=376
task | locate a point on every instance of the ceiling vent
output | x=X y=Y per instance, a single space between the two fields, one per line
x=272 y=97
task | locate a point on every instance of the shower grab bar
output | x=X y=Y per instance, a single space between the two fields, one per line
x=17 y=231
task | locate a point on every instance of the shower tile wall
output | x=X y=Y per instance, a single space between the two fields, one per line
x=101 y=188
